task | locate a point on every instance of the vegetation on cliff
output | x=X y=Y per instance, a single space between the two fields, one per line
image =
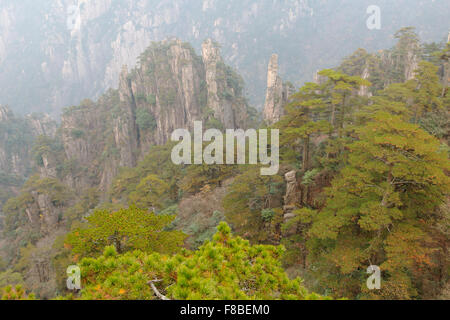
x=364 y=151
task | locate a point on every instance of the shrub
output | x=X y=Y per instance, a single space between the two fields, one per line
x=145 y=120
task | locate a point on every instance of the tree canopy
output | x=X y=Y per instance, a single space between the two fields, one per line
x=125 y=229
x=227 y=267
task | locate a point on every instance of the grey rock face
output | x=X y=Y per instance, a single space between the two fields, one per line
x=16 y=140
x=170 y=89
x=226 y=107
x=5 y=113
x=446 y=71
x=277 y=93
x=364 y=90
x=54 y=53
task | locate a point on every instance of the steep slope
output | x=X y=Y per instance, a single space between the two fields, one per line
x=54 y=52
x=170 y=89
x=74 y=168
x=277 y=93
x=17 y=135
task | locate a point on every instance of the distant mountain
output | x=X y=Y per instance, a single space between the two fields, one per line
x=52 y=57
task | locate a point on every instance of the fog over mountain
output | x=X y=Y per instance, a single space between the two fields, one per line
x=51 y=58
x=117 y=118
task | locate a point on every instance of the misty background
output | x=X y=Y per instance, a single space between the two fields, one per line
x=48 y=62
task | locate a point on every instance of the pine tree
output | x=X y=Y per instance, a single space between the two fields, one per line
x=304 y=118
x=125 y=229
x=427 y=91
x=15 y=293
x=248 y=196
x=339 y=89
x=382 y=202
x=227 y=268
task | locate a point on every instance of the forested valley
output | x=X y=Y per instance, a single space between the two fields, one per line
x=363 y=180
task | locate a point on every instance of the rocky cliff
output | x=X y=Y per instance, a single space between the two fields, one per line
x=17 y=135
x=74 y=165
x=277 y=93
x=224 y=87
x=446 y=65
x=384 y=67
x=170 y=89
x=54 y=52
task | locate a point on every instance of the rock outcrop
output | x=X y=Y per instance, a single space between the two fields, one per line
x=82 y=45
x=17 y=156
x=5 y=113
x=292 y=201
x=364 y=90
x=17 y=135
x=411 y=64
x=125 y=129
x=277 y=93
x=42 y=125
x=211 y=57
x=293 y=195
x=383 y=68
x=446 y=68
x=224 y=86
x=318 y=79
x=170 y=89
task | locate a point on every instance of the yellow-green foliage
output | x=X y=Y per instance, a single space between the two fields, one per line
x=17 y=293
x=156 y=164
x=151 y=192
x=126 y=229
x=228 y=267
x=15 y=208
x=381 y=208
x=9 y=277
x=198 y=176
x=248 y=195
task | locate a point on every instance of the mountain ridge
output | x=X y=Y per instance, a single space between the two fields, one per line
x=61 y=61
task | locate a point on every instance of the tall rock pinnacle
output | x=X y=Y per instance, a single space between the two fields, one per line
x=224 y=88
x=277 y=93
x=211 y=57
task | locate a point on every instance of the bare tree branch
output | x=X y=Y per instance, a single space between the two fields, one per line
x=156 y=291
